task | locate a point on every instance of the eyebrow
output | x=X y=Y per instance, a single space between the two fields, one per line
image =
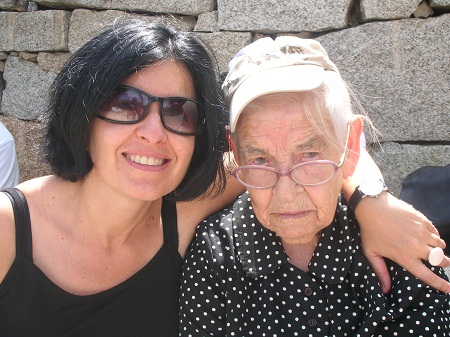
x=313 y=142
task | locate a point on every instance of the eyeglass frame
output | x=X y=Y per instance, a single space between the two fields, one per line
x=289 y=172
x=200 y=122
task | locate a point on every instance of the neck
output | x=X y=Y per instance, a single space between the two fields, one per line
x=111 y=219
x=300 y=254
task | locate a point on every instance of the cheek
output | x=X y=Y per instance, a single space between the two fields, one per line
x=260 y=203
x=325 y=200
x=94 y=144
x=184 y=148
x=100 y=143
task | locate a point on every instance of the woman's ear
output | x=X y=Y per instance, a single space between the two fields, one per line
x=231 y=150
x=353 y=147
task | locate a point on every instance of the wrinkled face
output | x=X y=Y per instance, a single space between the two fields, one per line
x=277 y=134
x=144 y=160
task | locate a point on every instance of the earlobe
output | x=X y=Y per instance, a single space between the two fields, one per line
x=354 y=147
x=231 y=151
x=230 y=139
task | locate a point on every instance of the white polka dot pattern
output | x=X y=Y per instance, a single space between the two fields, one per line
x=237 y=281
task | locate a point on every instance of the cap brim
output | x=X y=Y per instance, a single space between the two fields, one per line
x=284 y=79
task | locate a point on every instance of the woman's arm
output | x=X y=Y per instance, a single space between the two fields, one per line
x=191 y=213
x=394 y=229
x=7 y=236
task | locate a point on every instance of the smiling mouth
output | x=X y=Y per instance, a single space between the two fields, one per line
x=150 y=161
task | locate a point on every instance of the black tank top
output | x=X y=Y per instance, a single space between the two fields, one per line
x=144 y=305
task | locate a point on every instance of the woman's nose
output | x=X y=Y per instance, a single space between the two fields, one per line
x=151 y=127
x=286 y=188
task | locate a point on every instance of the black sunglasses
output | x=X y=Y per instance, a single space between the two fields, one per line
x=129 y=105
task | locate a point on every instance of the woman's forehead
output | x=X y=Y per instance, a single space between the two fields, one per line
x=164 y=78
x=267 y=140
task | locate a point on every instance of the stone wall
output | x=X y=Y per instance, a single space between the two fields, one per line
x=394 y=53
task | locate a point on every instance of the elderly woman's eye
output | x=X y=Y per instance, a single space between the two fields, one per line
x=311 y=155
x=259 y=161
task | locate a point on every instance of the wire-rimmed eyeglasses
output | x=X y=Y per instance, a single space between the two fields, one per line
x=311 y=173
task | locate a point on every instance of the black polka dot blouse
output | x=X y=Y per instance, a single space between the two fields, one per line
x=237 y=281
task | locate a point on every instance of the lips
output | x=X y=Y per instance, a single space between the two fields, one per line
x=150 y=161
x=291 y=214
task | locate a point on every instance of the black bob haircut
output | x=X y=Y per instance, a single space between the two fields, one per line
x=94 y=71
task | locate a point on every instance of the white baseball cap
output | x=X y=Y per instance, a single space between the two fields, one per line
x=286 y=64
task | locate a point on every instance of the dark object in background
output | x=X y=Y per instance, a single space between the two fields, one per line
x=428 y=190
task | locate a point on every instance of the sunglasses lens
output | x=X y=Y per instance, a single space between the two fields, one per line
x=180 y=115
x=129 y=106
x=126 y=105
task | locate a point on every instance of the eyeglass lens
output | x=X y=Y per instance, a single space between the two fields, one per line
x=311 y=173
x=129 y=106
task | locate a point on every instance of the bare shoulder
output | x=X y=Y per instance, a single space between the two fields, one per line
x=7 y=235
x=33 y=191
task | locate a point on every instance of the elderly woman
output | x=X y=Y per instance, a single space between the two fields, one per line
x=285 y=258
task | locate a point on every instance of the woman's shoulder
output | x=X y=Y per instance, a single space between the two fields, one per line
x=7 y=235
x=38 y=185
x=39 y=191
x=32 y=190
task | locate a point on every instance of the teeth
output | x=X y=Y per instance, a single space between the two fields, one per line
x=146 y=160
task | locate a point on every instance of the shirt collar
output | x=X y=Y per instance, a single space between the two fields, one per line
x=261 y=252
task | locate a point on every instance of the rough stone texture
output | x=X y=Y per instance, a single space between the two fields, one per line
x=52 y=61
x=25 y=94
x=7 y=4
x=27 y=136
x=187 y=7
x=207 y=22
x=423 y=11
x=396 y=160
x=32 y=6
x=85 y=24
x=96 y=4
x=192 y=7
x=441 y=4
x=3 y=55
x=32 y=57
x=400 y=70
x=34 y=31
x=264 y=15
x=387 y=9
x=21 y=5
x=2 y=83
x=225 y=45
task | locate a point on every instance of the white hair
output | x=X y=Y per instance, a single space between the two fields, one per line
x=328 y=108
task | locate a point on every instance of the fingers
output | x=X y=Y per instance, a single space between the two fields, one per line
x=381 y=228
x=423 y=273
x=432 y=228
x=430 y=235
x=381 y=272
x=435 y=241
x=445 y=262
